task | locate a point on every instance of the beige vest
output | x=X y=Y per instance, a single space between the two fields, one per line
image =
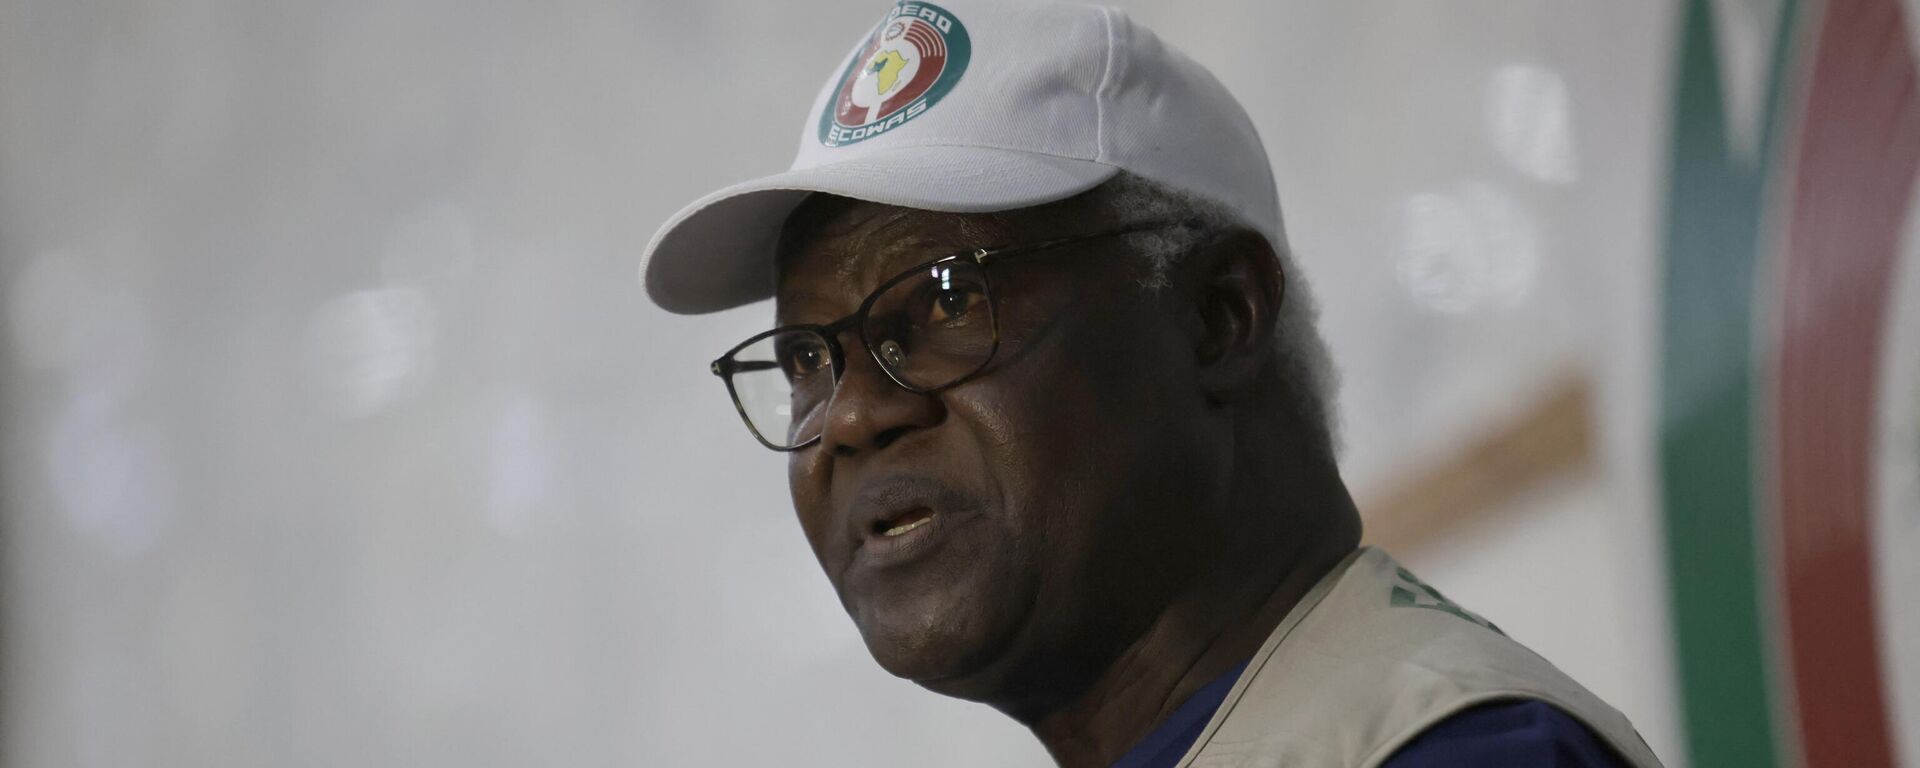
x=1370 y=658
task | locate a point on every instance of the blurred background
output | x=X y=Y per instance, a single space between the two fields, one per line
x=337 y=430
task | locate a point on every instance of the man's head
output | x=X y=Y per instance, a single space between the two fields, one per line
x=1006 y=537
x=1121 y=411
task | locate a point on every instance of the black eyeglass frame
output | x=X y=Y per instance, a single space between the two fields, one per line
x=725 y=365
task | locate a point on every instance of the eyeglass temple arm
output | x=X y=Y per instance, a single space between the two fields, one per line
x=725 y=366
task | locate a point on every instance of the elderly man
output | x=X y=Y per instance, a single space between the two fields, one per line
x=1057 y=417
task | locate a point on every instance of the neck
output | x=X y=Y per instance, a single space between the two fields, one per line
x=1209 y=628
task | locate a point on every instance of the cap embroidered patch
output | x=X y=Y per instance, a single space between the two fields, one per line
x=911 y=60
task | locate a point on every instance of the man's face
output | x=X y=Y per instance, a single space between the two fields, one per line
x=1056 y=493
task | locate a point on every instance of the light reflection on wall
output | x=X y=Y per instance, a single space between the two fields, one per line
x=112 y=479
x=1468 y=247
x=1530 y=122
x=519 y=462
x=370 y=349
x=69 y=317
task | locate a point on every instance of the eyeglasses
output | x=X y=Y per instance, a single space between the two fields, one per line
x=930 y=328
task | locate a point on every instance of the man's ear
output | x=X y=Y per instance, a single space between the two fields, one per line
x=1239 y=290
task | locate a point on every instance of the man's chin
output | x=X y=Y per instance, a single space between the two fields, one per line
x=930 y=655
x=947 y=652
x=947 y=618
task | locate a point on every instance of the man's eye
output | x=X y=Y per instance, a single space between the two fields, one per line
x=954 y=303
x=803 y=360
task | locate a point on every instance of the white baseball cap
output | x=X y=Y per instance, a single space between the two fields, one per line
x=976 y=106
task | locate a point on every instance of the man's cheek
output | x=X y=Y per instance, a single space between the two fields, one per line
x=807 y=477
x=812 y=502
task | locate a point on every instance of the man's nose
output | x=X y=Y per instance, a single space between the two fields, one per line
x=869 y=411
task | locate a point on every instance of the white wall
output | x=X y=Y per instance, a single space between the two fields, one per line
x=337 y=432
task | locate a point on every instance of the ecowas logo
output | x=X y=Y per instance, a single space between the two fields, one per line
x=911 y=60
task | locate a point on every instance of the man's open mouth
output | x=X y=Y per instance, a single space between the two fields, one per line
x=896 y=520
x=899 y=524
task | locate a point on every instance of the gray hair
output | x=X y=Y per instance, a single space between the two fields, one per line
x=1306 y=368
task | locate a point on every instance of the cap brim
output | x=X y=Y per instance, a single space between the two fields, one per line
x=718 y=252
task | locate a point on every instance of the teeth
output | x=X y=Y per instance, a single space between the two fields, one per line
x=900 y=529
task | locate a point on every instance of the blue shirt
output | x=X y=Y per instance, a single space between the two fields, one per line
x=1521 y=734
x=1169 y=742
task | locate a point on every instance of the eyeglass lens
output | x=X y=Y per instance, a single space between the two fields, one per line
x=928 y=329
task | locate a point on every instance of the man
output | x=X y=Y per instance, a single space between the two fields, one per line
x=1057 y=416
